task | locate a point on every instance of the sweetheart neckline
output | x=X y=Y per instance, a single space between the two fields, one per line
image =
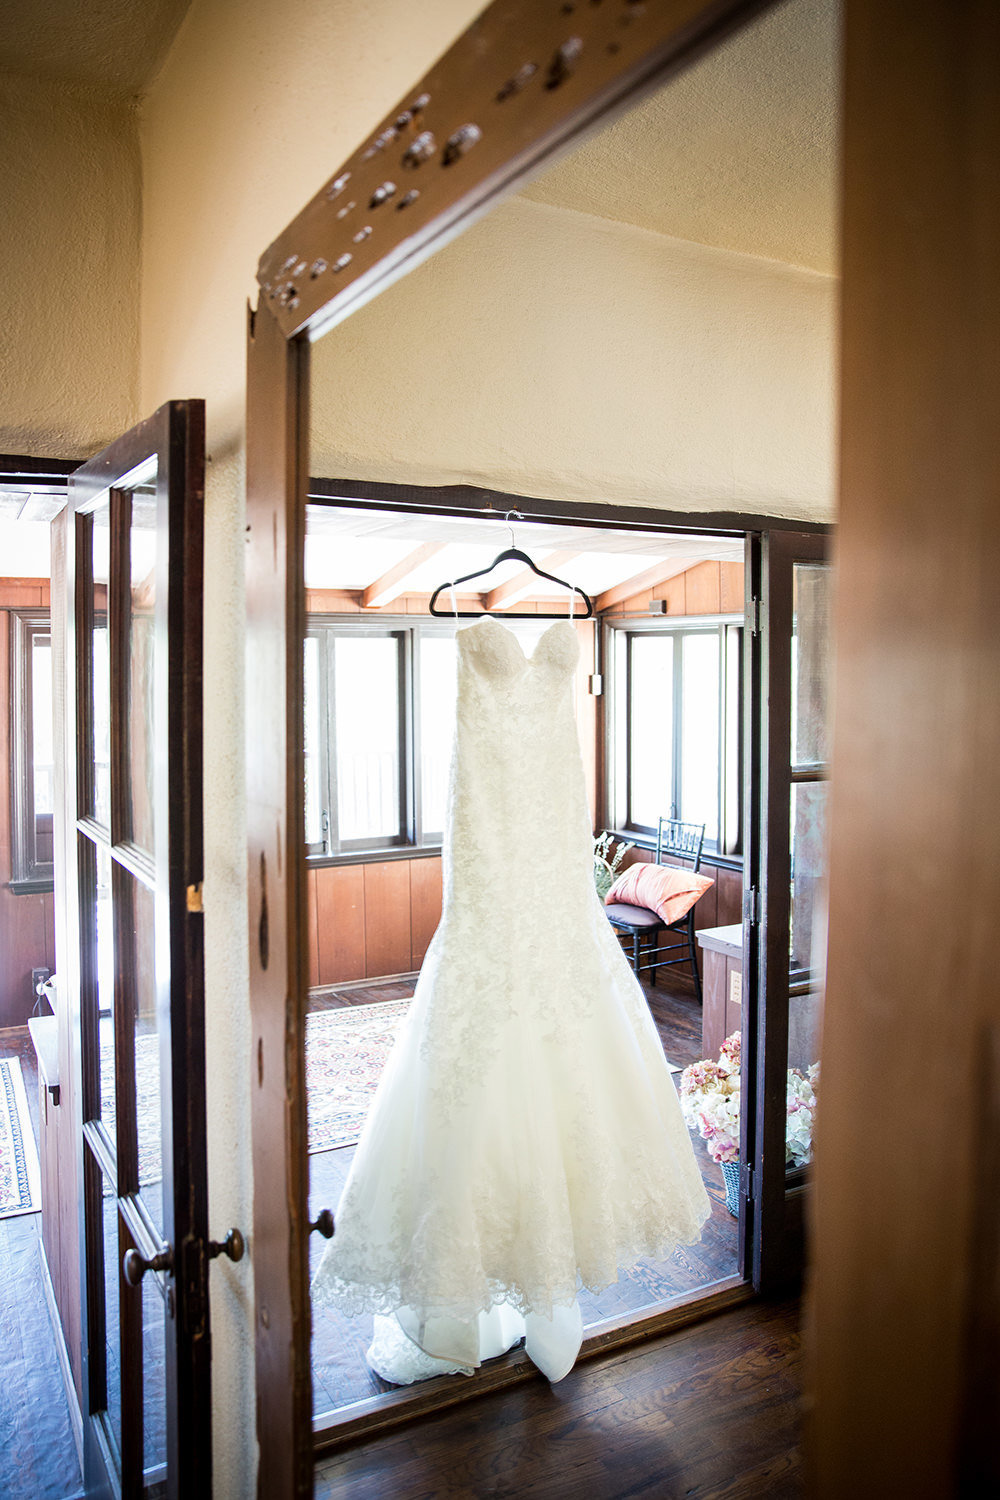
x=489 y=620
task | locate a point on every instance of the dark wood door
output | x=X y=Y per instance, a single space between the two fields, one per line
x=133 y=841
x=784 y=938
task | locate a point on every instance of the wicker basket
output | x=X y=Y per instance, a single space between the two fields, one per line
x=731 y=1177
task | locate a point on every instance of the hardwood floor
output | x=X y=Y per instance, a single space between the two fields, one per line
x=711 y=1412
x=341 y=1376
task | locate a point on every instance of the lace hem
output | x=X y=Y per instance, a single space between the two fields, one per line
x=355 y=1299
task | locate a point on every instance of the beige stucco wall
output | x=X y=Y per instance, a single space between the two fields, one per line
x=554 y=353
x=69 y=268
x=255 y=105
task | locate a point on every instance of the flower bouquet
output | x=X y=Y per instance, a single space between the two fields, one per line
x=710 y=1103
x=606 y=864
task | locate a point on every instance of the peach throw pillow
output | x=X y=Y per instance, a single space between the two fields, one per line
x=666 y=889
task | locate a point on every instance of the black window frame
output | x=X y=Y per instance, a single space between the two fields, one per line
x=29 y=874
x=618 y=633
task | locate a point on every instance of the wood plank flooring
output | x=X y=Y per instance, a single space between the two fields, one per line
x=711 y=1412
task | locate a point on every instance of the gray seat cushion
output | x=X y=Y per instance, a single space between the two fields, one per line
x=622 y=915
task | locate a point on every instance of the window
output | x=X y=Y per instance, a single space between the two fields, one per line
x=379 y=721
x=673 y=727
x=32 y=760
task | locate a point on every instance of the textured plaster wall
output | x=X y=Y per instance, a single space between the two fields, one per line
x=69 y=268
x=554 y=353
x=256 y=104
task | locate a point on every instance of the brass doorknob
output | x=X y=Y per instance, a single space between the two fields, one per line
x=233 y=1246
x=134 y=1266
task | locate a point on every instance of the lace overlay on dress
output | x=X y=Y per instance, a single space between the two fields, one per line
x=526 y=1138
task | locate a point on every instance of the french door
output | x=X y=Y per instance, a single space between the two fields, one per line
x=784 y=932
x=133 y=851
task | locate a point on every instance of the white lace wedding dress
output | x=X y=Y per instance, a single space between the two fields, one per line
x=526 y=1138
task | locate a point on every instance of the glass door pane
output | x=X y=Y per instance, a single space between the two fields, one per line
x=651 y=730
x=134 y=890
x=789 y=870
x=141 y=728
x=100 y=673
x=366 y=692
x=700 y=732
x=812 y=648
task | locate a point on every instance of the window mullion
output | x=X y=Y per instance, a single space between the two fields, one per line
x=328 y=686
x=677 y=725
x=416 y=738
x=408 y=793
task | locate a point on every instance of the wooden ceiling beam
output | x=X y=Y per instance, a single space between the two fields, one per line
x=658 y=573
x=506 y=595
x=393 y=583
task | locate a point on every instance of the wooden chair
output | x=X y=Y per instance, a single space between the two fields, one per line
x=684 y=841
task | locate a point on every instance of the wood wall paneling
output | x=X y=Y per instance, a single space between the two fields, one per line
x=312 y=922
x=703 y=588
x=729 y=888
x=387 y=900
x=425 y=906
x=341 y=911
x=731 y=600
x=674 y=591
x=707 y=588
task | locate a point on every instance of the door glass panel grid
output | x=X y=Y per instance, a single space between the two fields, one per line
x=810 y=680
x=137 y=768
x=93 y=665
x=126 y=679
x=97 y=988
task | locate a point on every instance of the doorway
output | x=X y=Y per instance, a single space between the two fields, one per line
x=379 y=706
x=500 y=360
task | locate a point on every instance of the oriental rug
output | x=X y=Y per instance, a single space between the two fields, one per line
x=346 y=1050
x=20 y=1188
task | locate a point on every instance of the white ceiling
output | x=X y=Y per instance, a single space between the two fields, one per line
x=739 y=152
x=348 y=550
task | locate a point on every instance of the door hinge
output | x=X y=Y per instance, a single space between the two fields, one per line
x=754 y=620
x=194 y=902
x=751 y=905
x=748 y=1182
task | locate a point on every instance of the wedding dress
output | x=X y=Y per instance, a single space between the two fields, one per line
x=526 y=1137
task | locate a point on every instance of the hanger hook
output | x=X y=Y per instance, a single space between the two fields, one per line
x=517 y=513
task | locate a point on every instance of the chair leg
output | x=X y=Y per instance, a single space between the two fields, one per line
x=693 y=950
x=636 y=952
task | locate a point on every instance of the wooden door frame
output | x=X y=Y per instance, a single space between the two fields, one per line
x=778 y=1198
x=175 y=434
x=539 y=80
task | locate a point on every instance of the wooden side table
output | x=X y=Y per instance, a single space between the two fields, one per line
x=722 y=980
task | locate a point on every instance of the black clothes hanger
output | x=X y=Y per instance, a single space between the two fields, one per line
x=509 y=554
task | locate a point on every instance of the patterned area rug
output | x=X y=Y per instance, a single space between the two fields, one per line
x=346 y=1050
x=20 y=1191
x=147 y=1089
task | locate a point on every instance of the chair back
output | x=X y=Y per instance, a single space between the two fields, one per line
x=683 y=840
